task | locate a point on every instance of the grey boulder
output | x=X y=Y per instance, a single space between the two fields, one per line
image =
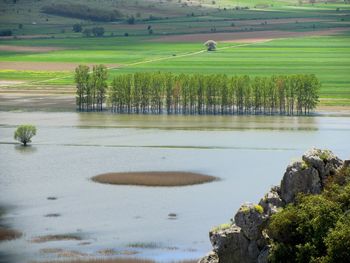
x=299 y=178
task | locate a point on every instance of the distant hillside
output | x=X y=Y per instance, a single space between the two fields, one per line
x=44 y=11
x=82 y=12
x=28 y=11
x=50 y=18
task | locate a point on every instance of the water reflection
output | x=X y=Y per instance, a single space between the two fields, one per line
x=197 y=122
x=29 y=149
x=180 y=122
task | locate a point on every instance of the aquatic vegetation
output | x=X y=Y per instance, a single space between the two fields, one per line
x=58 y=237
x=9 y=234
x=221 y=227
x=148 y=245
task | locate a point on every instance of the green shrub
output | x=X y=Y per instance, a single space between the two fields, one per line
x=245 y=209
x=222 y=227
x=338 y=242
x=316 y=228
x=324 y=155
x=303 y=227
x=77 y=28
x=259 y=209
x=24 y=133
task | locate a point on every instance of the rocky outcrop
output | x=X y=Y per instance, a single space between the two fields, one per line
x=231 y=245
x=250 y=218
x=264 y=254
x=299 y=179
x=212 y=257
x=324 y=161
x=246 y=241
x=272 y=201
x=309 y=175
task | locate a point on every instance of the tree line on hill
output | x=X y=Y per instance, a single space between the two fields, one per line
x=82 y=12
x=6 y=32
x=216 y=94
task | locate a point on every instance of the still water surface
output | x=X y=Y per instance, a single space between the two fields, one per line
x=248 y=153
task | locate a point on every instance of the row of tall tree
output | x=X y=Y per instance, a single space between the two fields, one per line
x=158 y=93
x=91 y=87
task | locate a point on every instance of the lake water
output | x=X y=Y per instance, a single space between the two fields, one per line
x=248 y=153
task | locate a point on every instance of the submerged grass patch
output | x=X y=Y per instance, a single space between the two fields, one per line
x=115 y=260
x=9 y=234
x=60 y=237
x=148 y=245
x=112 y=252
x=53 y=215
x=154 y=178
x=63 y=253
x=98 y=260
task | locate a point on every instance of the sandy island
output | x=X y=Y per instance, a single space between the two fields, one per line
x=154 y=178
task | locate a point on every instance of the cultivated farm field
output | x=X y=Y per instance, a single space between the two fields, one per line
x=326 y=56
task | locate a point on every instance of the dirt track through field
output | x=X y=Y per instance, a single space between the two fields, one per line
x=151 y=61
x=193 y=53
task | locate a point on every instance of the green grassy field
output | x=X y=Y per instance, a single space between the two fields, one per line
x=326 y=56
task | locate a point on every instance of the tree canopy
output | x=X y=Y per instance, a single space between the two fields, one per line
x=77 y=28
x=24 y=133
x=91 y=88
x=211 y=45
x=158 y=93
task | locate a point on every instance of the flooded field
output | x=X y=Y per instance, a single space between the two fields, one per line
x=51 y=196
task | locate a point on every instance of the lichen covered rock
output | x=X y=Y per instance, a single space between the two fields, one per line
x=299 y=178
x=250 y=219
x=271 y=202
x=231 y=245
x=324 y=161
x=212 y=257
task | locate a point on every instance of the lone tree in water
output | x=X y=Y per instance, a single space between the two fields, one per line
x=24 y=133
x=211 y=45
